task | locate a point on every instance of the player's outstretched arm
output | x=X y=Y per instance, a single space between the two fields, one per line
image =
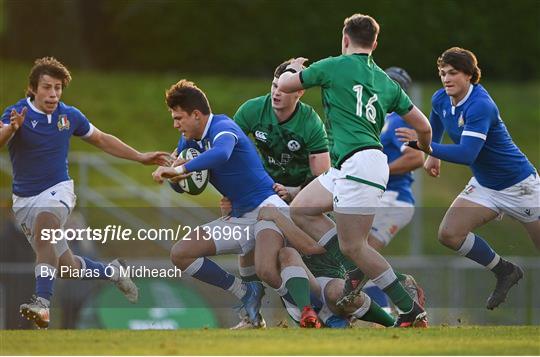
x=409 y=161
x=298 y=239
x=116 y=147
x=464 y=153
x=418 y=121
x=289 y=81
x=8 y=130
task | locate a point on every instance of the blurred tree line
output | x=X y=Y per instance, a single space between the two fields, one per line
x=249 y=37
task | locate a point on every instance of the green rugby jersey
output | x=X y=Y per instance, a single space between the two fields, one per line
x=357 y=95
x=332 y=264
x=284 y=147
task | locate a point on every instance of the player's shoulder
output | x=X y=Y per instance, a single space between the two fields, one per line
x=255 y=104
x=63 y=108
x=19 y=105
x=331 y=61
x=439 y=96
x=222 y=122
x=481 y=95
x=481 y=100
x=308 y=117
x=306 y=110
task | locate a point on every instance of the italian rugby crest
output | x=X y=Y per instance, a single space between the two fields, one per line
x=63 y=122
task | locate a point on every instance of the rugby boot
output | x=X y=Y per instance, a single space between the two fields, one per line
x=417 y=317
x=415 y=291
x=252 y=300
x=36 y=310
x=123 y=282
x=335 y=321
x=245 y=323
x=309 y=318
x=354 y=282
x=504 y=283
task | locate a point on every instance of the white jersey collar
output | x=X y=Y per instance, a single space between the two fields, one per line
x=461 y=102
x=207 y=126
x=33 y=107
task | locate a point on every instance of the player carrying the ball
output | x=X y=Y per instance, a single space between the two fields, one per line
x=237 y=173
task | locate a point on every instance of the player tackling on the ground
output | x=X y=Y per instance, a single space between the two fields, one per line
x=37 y=130
x=236 y=171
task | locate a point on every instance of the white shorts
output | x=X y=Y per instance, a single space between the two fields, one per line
x=391 y=216
x=59 y=200
x=521 y=201
x=358 y=186
x=237 y=235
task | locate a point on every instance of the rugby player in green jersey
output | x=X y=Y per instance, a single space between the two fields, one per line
x=289 y=135
x=324 y=275
x=357 y=95
x=293 y=147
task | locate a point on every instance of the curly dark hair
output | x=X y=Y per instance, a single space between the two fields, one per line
x=47 y=66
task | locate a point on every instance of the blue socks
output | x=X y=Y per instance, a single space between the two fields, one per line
x=478 y=250
x=45 y=275
x=377 y=295
x=98 y=269
x=209 y=272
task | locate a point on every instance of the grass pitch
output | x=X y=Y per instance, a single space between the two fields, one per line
x=277 y=341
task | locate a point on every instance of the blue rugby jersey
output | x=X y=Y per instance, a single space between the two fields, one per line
x=500 y=164
x=39 y=149
x=400 y=183
x=242 y=178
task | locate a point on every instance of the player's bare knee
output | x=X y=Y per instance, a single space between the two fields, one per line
x=270 y=277
x=352 y=249
x=450 y=237
x=179 y=255
x=288 y=256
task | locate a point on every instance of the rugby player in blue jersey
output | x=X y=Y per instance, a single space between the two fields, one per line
x=37 y=130
x=237 y=172
x=504 y=181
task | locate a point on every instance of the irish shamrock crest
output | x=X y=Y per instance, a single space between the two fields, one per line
x=63 y=122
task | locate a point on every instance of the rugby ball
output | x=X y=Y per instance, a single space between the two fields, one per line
x=196 y=183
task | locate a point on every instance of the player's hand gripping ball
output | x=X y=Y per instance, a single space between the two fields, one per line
x=196 y=183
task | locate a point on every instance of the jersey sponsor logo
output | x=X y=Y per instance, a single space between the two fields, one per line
x=261 y=135
x=293 y=145
x=34 y=123
x=444 y=113
x=63 y=122
x=461 y=121
x=285 y=158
